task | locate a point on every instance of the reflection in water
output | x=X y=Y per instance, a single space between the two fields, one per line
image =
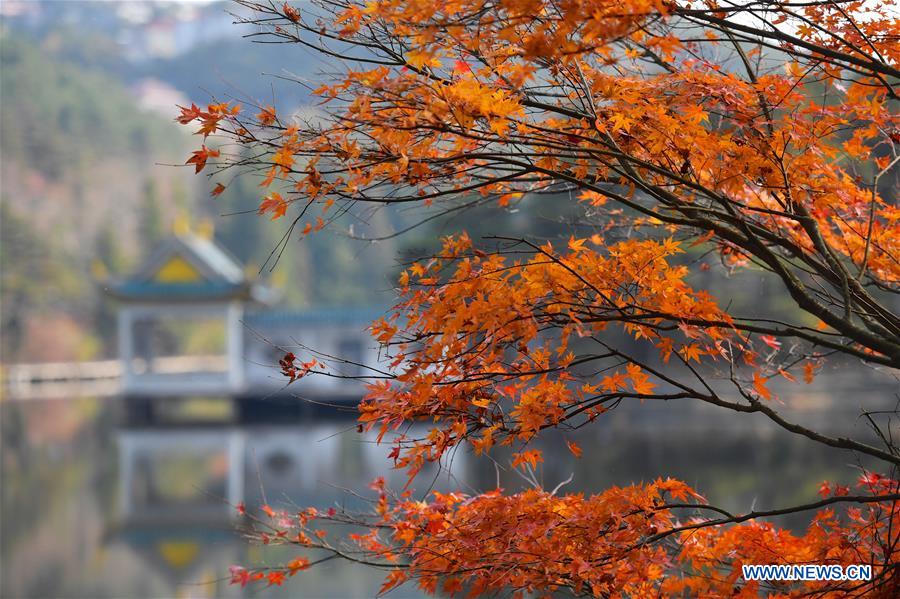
x=94 y=508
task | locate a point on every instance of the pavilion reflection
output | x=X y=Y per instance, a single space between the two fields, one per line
x=179 y=487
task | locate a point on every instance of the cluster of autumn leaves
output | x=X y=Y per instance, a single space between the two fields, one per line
x=687 y=128
x=625 y=541
x=486 y=371
x=771 y=159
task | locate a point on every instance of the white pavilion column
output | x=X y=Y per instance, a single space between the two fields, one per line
x=236 y=465
x=126 y=475
x=125 y=322
x=235 y=345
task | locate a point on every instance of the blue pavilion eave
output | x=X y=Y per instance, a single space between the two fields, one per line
x=204 y=291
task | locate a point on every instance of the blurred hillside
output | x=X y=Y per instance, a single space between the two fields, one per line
x=76 y=159
x=87 y=155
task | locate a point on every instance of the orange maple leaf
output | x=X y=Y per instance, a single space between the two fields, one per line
x=291 y=13
x=297 y=564
x=275 y=204
x=530 y=457
x=266 y=116
x=574 y=448
x=275 y=577
x=691 y=352
x=199 y=157
x=613 y=382
x=759 y=384
x=188 y=114
x=809 y=372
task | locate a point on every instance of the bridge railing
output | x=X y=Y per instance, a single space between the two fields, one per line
x=58 y=379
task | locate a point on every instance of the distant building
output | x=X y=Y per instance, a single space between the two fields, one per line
x=17 y=8
x=158 y=97
x=191 y=321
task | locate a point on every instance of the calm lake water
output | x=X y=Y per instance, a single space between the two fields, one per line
x=92 y=507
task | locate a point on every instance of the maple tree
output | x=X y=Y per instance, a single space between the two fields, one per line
x=762 y=132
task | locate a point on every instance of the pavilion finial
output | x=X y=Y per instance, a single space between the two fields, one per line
x=206 y=228
x=181 y=226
